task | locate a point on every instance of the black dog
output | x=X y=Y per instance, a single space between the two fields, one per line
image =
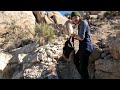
x=68 y=49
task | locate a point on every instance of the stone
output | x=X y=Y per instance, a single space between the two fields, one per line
x=103 y=55
x=95 y=54
x=108 y=57
x=55 y=56
x=39 y=16
x=26 y=49
x=54 y=61
x=54 y=50
x=111 y=37
x=49 y=59
x=67 y=70
x=109 y=65
x=41 y=56
x=91 y=71
x=58 y=18
x=49 y=53
x=48 y=20
x=50 y=14
x=33 y=73
x=18 y=75
x=104 y=75
x=114 y=47
x=4 y=60
x=21 y=57
x=16 y=23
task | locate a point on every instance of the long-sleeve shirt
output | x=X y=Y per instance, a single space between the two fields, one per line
x=84 y=33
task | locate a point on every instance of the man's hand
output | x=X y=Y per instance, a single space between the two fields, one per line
x=72 y=35
x=76 y=37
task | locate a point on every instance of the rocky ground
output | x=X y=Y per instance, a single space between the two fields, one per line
x=106 y=54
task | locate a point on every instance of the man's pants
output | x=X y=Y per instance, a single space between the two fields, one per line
x=81 y=62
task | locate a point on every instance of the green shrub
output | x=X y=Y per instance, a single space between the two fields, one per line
x=44 y=31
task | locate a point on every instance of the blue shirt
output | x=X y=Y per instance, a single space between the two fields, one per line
x=84 y=33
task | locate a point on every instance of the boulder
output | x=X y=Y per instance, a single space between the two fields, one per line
x=111 y=37
x=15 y=25
x=50 y=14
x=104 y=75
x=4 y=60
x=39 y=16
x=67 y=70
x=91 y=71
x=58 y=18
x=17 y=19
x=107 y=68
x=48 y=20
x=95 y=54
x=114 y=47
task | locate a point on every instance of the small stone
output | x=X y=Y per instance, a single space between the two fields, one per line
x=54 y=50
x=41 y=50
x=21 y=57
x=49 y=53
x=49 y=59
x=53 y=60
x=50 y=63
x=40 y=56
x=47 y=63
x=47 y=47
x=55 y=56
x=108 y=57
x=45 y=59
x=42 y=62
x=103 y=55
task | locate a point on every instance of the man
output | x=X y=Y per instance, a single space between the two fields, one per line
x=85 y=45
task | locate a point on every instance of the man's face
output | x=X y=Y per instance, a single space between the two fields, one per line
x=75 y=19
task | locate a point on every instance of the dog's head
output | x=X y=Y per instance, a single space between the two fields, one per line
x=68 y=50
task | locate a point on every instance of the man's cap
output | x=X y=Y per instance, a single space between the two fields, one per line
x=75 y=13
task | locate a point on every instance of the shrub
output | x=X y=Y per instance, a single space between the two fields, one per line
x=44 y=31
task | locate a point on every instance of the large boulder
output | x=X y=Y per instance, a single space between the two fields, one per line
x=67 y=69
x=107 y=69
x=4 y=60
x=111 y=37
x=48 y=20
x=114 y=47
x=58 y=17
x=95 y=54
x=39 y=15
x=12 y=19
x=16 y=26
x=50 y=14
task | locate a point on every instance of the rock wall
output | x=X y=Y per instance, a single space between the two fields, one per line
x=16 y=26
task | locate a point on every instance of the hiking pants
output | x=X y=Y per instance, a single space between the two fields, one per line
x=81 y=62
